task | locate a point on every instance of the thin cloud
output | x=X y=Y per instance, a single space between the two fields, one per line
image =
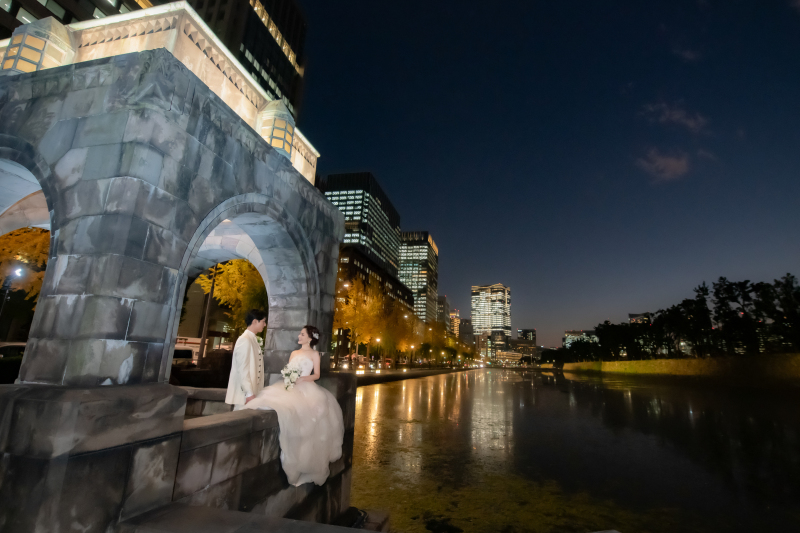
x=675 y=114
x=664 y=167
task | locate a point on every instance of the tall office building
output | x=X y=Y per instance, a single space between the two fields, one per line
x=527 y=334
x=266 y=36
x=491 y=312
x=371 y=221
x=419 y=271
x=465 y=331
x=443 y=312
x=455 y=322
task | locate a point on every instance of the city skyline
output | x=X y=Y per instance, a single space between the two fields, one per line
x=651 y=151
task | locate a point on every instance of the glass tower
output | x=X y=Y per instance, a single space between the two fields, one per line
x=419 y=271
x=371 y=221
x=491 y=311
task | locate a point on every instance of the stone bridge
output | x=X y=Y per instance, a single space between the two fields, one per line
x=146 y=177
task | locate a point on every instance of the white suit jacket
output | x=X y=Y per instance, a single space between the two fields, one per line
x=247 y=370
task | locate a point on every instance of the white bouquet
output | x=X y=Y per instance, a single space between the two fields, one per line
x=290 y=374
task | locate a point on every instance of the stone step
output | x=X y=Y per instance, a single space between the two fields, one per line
x=181 y=518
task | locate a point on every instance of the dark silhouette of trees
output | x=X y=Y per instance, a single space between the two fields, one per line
x=731 y=318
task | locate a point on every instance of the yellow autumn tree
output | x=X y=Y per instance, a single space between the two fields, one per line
x=359 y=309
x=25 y=250
x=239 y=287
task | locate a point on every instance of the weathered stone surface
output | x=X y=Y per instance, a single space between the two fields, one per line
x=152 y=478
x=48 y=422
x=139 y=163
x=136 y=181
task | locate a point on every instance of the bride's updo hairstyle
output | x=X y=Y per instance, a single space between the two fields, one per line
x=312 y=332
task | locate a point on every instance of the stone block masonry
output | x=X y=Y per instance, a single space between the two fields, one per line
x=139 y=162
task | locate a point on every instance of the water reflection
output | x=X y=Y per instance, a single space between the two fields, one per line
x=729 y=456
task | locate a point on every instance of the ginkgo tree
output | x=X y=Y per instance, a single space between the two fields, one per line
x=359 y=309
x=24 y=250
x=239 y=287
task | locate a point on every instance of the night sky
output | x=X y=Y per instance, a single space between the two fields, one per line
x=600 y=158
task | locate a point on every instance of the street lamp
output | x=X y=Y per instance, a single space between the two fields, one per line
x=7 y=286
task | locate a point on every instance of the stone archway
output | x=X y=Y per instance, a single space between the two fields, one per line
x=139 y=162
x=263 y=232
x=134 y=193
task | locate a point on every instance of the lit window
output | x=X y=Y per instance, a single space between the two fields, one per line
x=55 y=9
x=112 y=2
x=25 y=17
x=124 y=9
x=98 y=14
x=5 y=4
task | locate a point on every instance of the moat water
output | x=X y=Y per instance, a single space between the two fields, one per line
x=505 y=451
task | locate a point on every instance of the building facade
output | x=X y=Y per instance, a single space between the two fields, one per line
x=484 y=347
x=527 y=334
x=491 y=312
x=443 y=312
x=465 y=333
x=371 y=221
x=266 y=36
x=523 y=346
x=419 y=271
x=455 y=322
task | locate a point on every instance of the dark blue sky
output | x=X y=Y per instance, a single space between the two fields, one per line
x=599 y=158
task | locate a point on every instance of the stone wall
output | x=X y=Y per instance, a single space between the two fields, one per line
x=776 y=367
x=138 y=162
x=232 y=461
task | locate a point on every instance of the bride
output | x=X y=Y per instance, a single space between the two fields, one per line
x=311 y=424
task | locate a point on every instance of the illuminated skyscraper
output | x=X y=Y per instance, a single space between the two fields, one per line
x=443 y=312
x=455 y=322
x=419 y=271
x=491 y=312
x=371 y=221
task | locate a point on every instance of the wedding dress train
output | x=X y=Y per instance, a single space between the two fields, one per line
x=311 y=426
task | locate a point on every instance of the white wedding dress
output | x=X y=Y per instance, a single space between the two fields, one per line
x=311 y=426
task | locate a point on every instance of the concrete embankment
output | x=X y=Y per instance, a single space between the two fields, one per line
x=774 y=367
x=395 y=375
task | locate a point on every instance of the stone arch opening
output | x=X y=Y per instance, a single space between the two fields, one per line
x=22 y=201
x=258 y=229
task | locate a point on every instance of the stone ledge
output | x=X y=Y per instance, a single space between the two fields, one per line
x=214 y=395
x=205 y=430
x=181 y=518
x=47 y=421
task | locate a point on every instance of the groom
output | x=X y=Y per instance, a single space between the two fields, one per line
x=247 y=370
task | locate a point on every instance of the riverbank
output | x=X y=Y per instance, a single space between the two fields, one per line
x=387 y=376
x=761 y=368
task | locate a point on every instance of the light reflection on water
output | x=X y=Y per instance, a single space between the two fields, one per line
x=726 y=456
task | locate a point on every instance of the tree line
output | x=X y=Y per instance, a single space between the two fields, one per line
x=367 y=317
x=729 y=318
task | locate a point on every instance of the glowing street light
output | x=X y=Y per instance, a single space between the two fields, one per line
x=7 y=286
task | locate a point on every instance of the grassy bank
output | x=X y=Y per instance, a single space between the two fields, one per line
x=776 y=367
